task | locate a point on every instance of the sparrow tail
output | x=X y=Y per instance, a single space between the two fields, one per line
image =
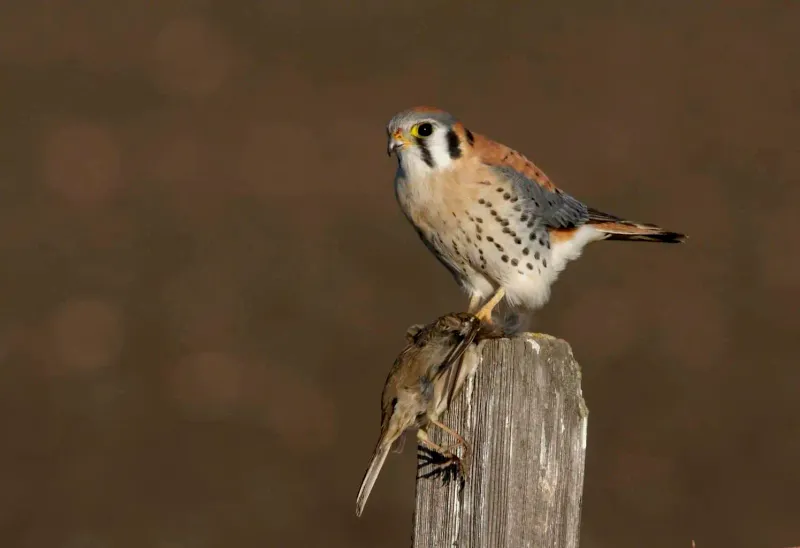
x=375 y=465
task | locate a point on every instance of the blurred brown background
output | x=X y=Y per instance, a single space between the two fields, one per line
x=205 y=276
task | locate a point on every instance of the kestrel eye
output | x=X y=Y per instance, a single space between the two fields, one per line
x=424 y=130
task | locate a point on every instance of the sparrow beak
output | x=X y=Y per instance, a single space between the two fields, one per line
x=396 y=141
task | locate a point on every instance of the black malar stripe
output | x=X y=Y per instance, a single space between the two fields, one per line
x=426 y=153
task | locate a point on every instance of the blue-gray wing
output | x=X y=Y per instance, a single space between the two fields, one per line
x=554 y=209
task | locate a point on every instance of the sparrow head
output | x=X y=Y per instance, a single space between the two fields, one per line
x=426 y=139
x=460 y=324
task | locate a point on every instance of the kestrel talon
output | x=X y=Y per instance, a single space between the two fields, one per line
x=490 y=215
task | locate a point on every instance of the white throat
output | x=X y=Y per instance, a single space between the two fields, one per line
x=415 y=159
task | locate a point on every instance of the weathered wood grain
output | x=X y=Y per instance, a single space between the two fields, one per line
x=524 y=416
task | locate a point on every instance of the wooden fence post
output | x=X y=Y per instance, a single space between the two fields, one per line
x=524 y=417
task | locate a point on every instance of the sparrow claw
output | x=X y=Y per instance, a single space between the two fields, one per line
x=445 y=465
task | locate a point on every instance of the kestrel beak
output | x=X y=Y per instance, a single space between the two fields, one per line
x=397 y=141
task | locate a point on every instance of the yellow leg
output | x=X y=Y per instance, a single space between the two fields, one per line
x=474 y=303
x=485 y=313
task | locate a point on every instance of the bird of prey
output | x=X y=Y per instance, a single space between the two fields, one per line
x=491 y=216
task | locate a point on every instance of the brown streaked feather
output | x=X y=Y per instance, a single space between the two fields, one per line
x=454 y=361
x=498 y=154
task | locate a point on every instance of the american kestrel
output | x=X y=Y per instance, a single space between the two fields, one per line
x=490 y=215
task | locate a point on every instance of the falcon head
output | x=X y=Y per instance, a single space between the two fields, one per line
x=426 y=139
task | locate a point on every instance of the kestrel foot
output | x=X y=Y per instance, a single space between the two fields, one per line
x=492 y=331
x=485 y=313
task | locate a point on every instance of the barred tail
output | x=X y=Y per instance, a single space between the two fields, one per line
x=619 y=229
